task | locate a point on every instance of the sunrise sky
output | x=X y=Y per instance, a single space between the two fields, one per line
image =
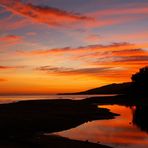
x=51 y=46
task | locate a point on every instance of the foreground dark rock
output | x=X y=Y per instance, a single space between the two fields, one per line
x=51 y=141
x=28 y=119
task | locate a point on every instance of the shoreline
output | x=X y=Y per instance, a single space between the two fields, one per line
x=25 y=120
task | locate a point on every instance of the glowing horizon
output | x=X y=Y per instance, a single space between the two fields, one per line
x=57 y=46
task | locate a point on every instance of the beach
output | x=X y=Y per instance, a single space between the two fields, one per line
x=26 y=122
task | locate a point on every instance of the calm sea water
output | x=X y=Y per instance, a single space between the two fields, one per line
x=120 y=132
x=14 y=98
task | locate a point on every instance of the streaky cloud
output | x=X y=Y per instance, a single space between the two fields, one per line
x=43 y=14
x=74 y=71
x=10 y=67
x=10 y=38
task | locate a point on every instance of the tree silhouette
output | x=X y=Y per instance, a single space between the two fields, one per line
x=140 y=81
x=139 y=117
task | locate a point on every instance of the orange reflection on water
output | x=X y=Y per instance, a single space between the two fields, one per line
x=118 y=132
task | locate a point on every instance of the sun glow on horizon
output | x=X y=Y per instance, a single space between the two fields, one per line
x=51 y=48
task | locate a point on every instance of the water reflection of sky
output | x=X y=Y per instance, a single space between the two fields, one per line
x=119 y=132
x=13 y=98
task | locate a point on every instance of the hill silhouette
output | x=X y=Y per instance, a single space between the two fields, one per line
x=115 y=88
x=138 y=85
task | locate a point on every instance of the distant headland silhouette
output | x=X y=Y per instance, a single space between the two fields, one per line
x=138 y=85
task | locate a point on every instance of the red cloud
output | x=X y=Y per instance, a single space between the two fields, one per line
x=10 y=39
x=82 y=49
x=117 y=53
x=56 y=17
x=48 y=15
x=6 y=67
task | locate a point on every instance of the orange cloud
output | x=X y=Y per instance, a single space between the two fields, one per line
x=2 y=80
x=100 y=73
x=110 y=74
x=130 y=52
x=81 y=49
x=5 y=67
x=72 y=71
x=130 y=36
x=115 y=52
x=80 y=67
x=47 y=15
x=123 y=54
x=114 y=62
x=10 y=67
x=10 y=39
